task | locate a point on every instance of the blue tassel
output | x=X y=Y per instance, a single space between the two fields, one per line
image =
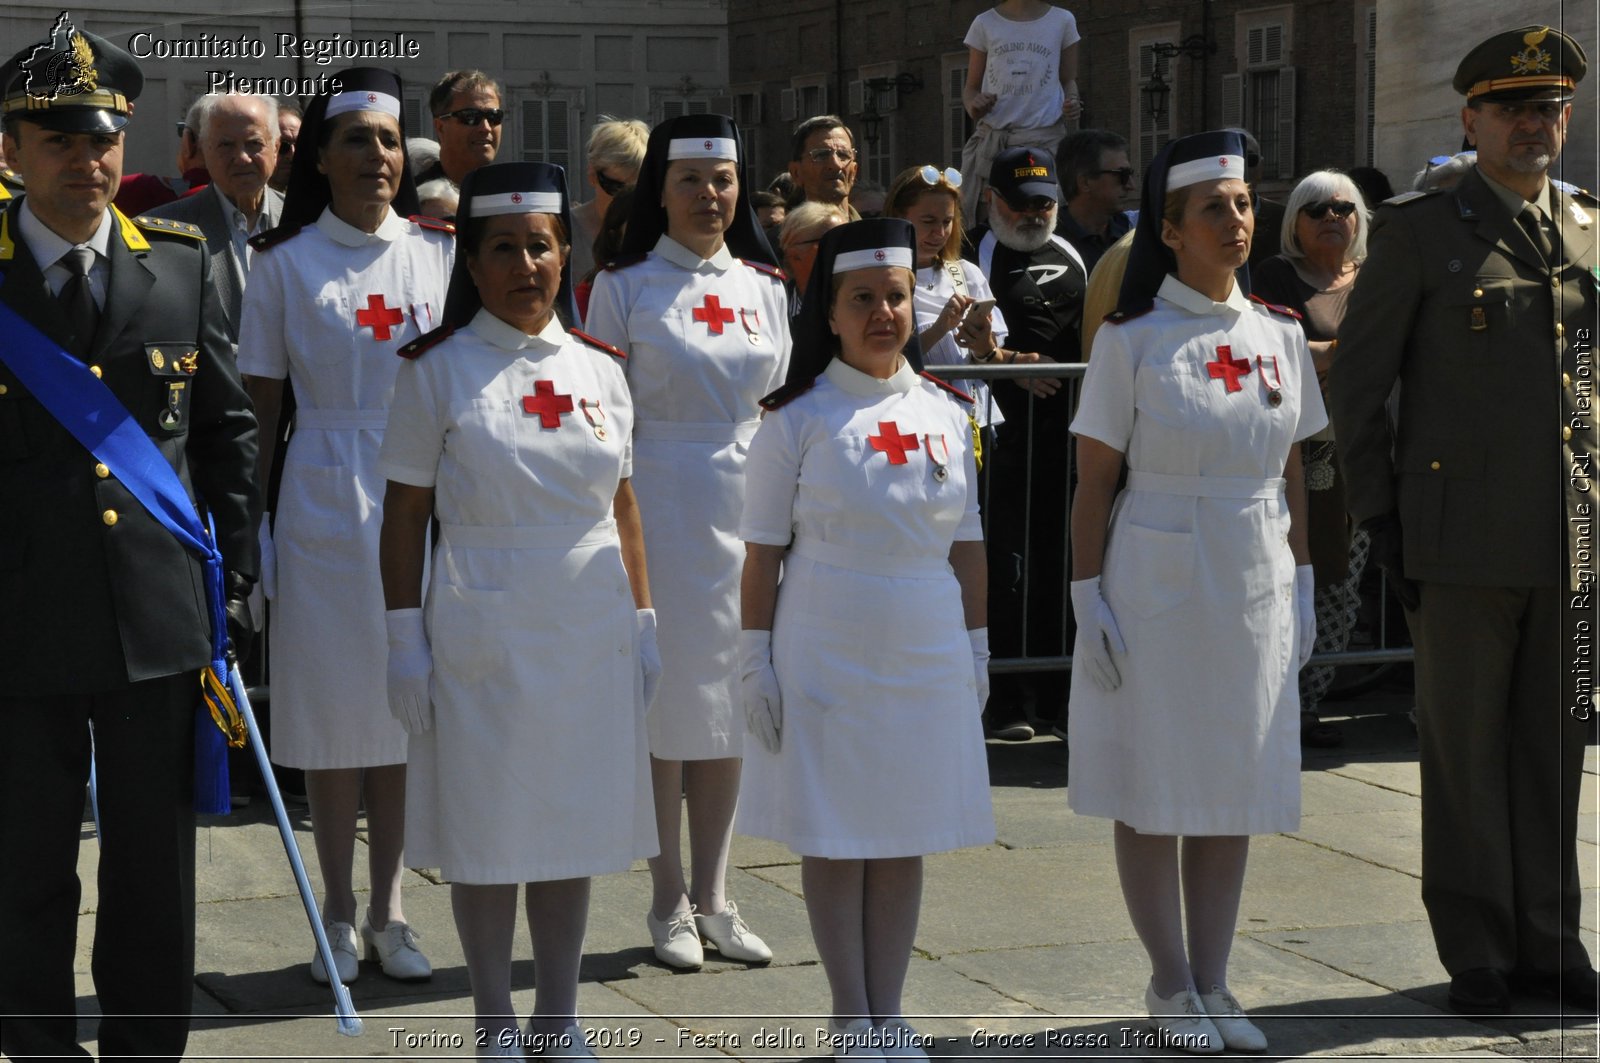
x=211 y=797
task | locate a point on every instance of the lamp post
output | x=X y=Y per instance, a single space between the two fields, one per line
x=871 y=120
x=1156 y=92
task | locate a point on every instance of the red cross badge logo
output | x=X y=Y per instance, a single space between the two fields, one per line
x=1227 y=368
x=372 y=97
x=1223 y=162
x=708 y=145
x=378 y=317
x=546 y=404
x=516 y=197
x=714 y=314
x=890 y=441
x=879 y=255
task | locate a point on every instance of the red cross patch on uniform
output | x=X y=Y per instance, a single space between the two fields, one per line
x=890 y=441
x=548 y=405
x=1228 y=368
x=378 y=317
x=714 y=314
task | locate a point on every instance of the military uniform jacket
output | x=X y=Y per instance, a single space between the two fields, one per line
x=1492 y=463
x=94 y=592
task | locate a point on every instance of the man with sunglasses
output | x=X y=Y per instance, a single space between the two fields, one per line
x=466 y=122
x=1095 y=176
x=1481 y=303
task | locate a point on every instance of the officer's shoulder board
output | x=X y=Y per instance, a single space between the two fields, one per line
x=1276 y=308
x=1410 y=197
x=761 y=267
x=273 y=237
x=435 y=224
x=169 y=227
x=598 y=344
x=786 y=394
x=1122 y=317
x=625 y=261
x=946 y=385
x=426 y=342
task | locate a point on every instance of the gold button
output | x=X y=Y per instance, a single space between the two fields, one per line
x=1555 y=282
x=3 y=389
x=1477 y=293
x=1561 y=330
x=1434 y=466
x=109 y=517
x=95 y=370
x=101 y=471
x=1566 y=433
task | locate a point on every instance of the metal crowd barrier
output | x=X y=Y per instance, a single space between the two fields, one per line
x=1071 y=376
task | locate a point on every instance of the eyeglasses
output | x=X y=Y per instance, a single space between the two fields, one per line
x=1318 y=211
x=609 y=185
x=471 y=116
x=844 y=156
x=931 y=174
x=1125 y=174
x=1030 y=205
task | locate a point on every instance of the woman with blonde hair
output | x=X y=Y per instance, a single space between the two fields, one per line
x=615 y=152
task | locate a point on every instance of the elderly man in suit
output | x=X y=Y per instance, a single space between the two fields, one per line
x=238 y=136
x=1481 y=303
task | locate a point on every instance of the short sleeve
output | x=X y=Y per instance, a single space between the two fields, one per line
x=771 y=478
x=1069 y=29
x=1105 y=406
x=1313 y=413
x=977 y=35
x=608 y=318
x=620 y=399
x=414 y=439
x=262 y=349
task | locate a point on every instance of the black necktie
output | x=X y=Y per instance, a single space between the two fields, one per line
x=77 y=299
x=1529 y=217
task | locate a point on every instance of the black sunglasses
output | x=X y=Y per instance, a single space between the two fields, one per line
x=609 y=185
x=1125 y=175
x=1318 y=211
x=470 y=116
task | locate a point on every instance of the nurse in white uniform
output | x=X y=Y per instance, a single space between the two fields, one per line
x=1192 y=591
x=525 y=682
x=864 y=672
x=700 y=309
x=334 y=290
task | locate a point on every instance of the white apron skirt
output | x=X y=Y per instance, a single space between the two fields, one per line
x=689 y=480
x=882 y=751
x=536 y=767
x=330 y=650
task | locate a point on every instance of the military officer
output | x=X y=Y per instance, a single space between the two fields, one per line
x=103 y=616
x=1481 y=302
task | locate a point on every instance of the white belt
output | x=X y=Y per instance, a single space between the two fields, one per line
x=337 y=420
x=535 y=537
x=697 y=431
x=1206 y=486
x=875 y=564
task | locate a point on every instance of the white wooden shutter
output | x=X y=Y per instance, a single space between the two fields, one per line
x=1233 y=100
x=1286 y=122
x=786 y=104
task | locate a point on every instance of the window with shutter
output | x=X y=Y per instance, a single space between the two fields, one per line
x=416 y=121
x=957 y=126
x=547 y=131
x=853 y=94
x=1151 y=132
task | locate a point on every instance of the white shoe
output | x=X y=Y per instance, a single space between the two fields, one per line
x=1238 y=1032
x=676 y=940
x=342 y=942
x=1181 y=1022
x=502 y=1051
x=395 y=947
x=568 y=1044
x=730 y=935
x=900 y=1041
x=856 y=1039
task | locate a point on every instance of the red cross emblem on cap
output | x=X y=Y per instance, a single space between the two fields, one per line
x=879 y=255
x=516 y=197
x=891 y=442
x=1223 y=162
x=1227 y=368
x=378 y=317
x=714 y=314
x=708 y=145
x=372 y=97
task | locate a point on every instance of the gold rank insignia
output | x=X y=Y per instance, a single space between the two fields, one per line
x=1532 y=59
x=158 y=359
x=88 y=78
x=189 y=363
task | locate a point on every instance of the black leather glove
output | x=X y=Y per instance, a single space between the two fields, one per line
x=1388 y=554
x=241 y=626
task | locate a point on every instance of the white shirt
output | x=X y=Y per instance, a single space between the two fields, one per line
x=48 y=249
x=1023 y=66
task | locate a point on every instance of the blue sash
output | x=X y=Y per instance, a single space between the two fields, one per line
x=87 y=409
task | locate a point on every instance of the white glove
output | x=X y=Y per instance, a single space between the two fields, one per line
x=269 y=559
x=758 y=685
x=1098 y=636
x=649 y=655
x=410 y=667
x=1305 y=607
x=979 y=637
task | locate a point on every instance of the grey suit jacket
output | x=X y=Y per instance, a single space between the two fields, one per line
x=227 y=271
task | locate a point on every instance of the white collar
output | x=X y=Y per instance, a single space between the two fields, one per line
x=47 y=248
x=1184 y=297
x=668 y=248
x=853 y=381
x=498 y=333
x=342 y=232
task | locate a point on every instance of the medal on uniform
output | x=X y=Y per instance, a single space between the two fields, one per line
x=169 y=418
x=941 y=463
x=752 y=324
x=595 y=416
x=1274 y=389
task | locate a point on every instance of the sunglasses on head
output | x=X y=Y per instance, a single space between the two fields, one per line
x=1318 y=211
x=470 y=116
x=609 y=185
x=931 y=174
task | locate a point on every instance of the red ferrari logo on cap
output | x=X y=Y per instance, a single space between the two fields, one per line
x=516 y=197
x=879 y=255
